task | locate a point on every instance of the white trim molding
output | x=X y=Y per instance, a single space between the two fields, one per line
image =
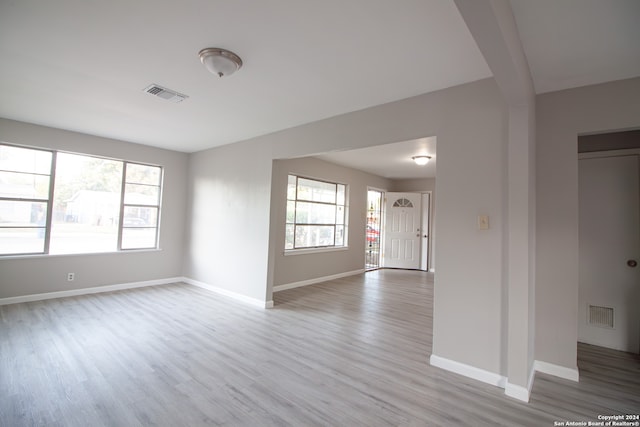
x=227 y=293
x=316 y=280
x=519 y=392
x=304 y=251
x=87 y=291
x=512 y=390
x=468 y=371
x=571 y=374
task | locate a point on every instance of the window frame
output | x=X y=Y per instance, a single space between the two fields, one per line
x=124 y=205
x=50 y=201
x=294 y=249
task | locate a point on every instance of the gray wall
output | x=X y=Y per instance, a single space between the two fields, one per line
x=295 y=268
x=561 y=117
x=228 y=236
x=232 y=240
x=41 y=274
x=469 y=310
x=233 y=183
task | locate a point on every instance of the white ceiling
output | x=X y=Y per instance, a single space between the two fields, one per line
x=390 y=160
x=568 y=43
x=81 y=65
x=572 y=43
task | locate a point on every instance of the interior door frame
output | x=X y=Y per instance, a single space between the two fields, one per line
x=383 y=195
x=597 y=155
x=426 y=248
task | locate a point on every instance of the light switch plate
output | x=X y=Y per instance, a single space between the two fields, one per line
x=483 y=222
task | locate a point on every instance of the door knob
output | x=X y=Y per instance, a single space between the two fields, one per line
x=632 y=263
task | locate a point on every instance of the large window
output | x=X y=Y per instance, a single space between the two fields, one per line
x=59 y=203
x=316 y=214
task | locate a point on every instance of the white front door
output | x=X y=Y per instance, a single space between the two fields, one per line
x=402 y=231
x=609 y=230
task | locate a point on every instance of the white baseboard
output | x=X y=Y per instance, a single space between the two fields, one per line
x=133 y=285
x=519 y=392
x=512 y=390
x=571 y=374
x=468 y=371
x=235 y=295
x=87 y=291
x=316 y=280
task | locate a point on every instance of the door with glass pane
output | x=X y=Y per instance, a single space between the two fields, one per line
x=373 y=231
x=402 y=230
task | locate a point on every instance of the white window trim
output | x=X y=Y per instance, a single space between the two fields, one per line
x=304 y=251
x=50 y=202
x=319 y=249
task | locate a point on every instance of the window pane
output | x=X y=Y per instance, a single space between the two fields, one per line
x=341 y=194
x=339 y=214
x=291 y=212
x=307 y=236
x=21 y=240
x=291 y=188
x=288 y=241
x=315 y=209
x=339 y=235
x=24 y=185
x=135 y=194
x=19 y=159
x=138 y=238
x=316 y=191
x=143 y=174
x=314 y=213
x=22 y=214
x=135 y=216
x=86 y=204
x=69 y=238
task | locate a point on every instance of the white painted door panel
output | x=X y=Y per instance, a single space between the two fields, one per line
x=402 y=232
x=609 y=231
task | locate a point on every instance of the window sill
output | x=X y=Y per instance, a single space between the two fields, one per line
x=291 y=252
x=32 y=256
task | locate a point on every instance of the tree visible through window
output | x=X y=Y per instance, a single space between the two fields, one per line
x=316 y=214
x=56 y=203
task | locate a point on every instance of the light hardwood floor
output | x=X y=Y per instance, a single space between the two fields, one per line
x=349 y=352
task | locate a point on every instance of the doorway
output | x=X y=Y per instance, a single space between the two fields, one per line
x=609 y=249
x=374 y=229
x=402 y=236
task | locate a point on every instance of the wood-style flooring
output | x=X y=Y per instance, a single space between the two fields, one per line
x=349 y=352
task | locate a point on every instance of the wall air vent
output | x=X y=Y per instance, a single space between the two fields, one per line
x=601 y=316
x=164 y=93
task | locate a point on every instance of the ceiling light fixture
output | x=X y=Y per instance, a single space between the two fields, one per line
x=421 y=160
x=220 y=62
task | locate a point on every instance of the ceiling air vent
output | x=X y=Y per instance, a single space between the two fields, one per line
x=164 y=93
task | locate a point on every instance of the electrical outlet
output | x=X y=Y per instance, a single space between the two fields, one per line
x=71 y=277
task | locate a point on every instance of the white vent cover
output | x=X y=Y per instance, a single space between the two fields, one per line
x=164 y=93
x=601 y=316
